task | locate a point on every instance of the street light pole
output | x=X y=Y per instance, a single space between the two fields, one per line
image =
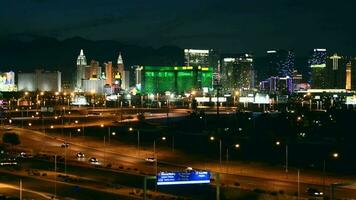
x=55 y=176
x=138 y=142
x=173 y=143
x=287 y=160
x=65 y=159
x=20 y=189
x=324 y=174
x=104 y=150
x=155 y=155
x=109 y=134
x=298 y=184
x=227 y=159
x=220 y=152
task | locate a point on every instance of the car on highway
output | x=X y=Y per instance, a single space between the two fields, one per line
x=80 y=155
x=189 y=169
x=314 y=192
x=94 y=161
x=150 y=160
x=65 y=145
x=24 y=155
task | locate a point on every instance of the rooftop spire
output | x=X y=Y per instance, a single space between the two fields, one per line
x=119 y=59
x=81 y=60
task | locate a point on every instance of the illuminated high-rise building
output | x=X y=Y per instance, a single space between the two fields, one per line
x=280 y=63
x=348 y=76
x=245 y=76
x=120 y=63
x=109 y=75
x=229 y=73
x=335 y=59
x=317 y=63
x=80 y=72
x=93 y=71
x=237 y=72
x=353 y=73
x=201 y=58
x=121 y=76
x=336 y=68
x=175 y=79
x=280 y=85
x=40 y=80
x=196 y=57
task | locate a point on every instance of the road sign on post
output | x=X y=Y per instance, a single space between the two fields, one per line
x=145 y=185
x=217 y=186
x=181 y=178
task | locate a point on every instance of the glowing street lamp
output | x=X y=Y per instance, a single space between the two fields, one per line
x=237 y=146
x=212 y=138
x=52 y=126
x=101 y=125
x=164 y=138
x=29 y=124
x=278 y=143
x=335 y=155
x=138 y=140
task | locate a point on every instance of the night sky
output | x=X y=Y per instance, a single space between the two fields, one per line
x=229 y=26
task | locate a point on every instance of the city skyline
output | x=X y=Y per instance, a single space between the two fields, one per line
x=168 y=99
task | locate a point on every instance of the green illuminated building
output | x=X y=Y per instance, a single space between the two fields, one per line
x=177 y=79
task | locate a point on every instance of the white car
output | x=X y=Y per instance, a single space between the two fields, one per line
x=189 y=169
x=65 y=145
x=94 y=161
x=150 y=160
x=80 y=155
x=23 y=154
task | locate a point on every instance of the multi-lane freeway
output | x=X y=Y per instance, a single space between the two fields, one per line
x=128 y=159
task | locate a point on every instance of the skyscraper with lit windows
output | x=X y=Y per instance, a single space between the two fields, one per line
x=280 y=62
x=80 y=72
x=317 y=63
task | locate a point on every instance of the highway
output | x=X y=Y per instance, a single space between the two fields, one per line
x=124 y=158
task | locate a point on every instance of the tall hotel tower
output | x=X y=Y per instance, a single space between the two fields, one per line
x=80 y=75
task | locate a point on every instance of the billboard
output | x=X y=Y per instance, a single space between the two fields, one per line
x=262 y=99
x=351 y=100
x=79 y=101
x=180 y=178
x=7 y=82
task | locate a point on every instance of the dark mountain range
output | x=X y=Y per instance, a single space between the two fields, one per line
x=52 y=54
